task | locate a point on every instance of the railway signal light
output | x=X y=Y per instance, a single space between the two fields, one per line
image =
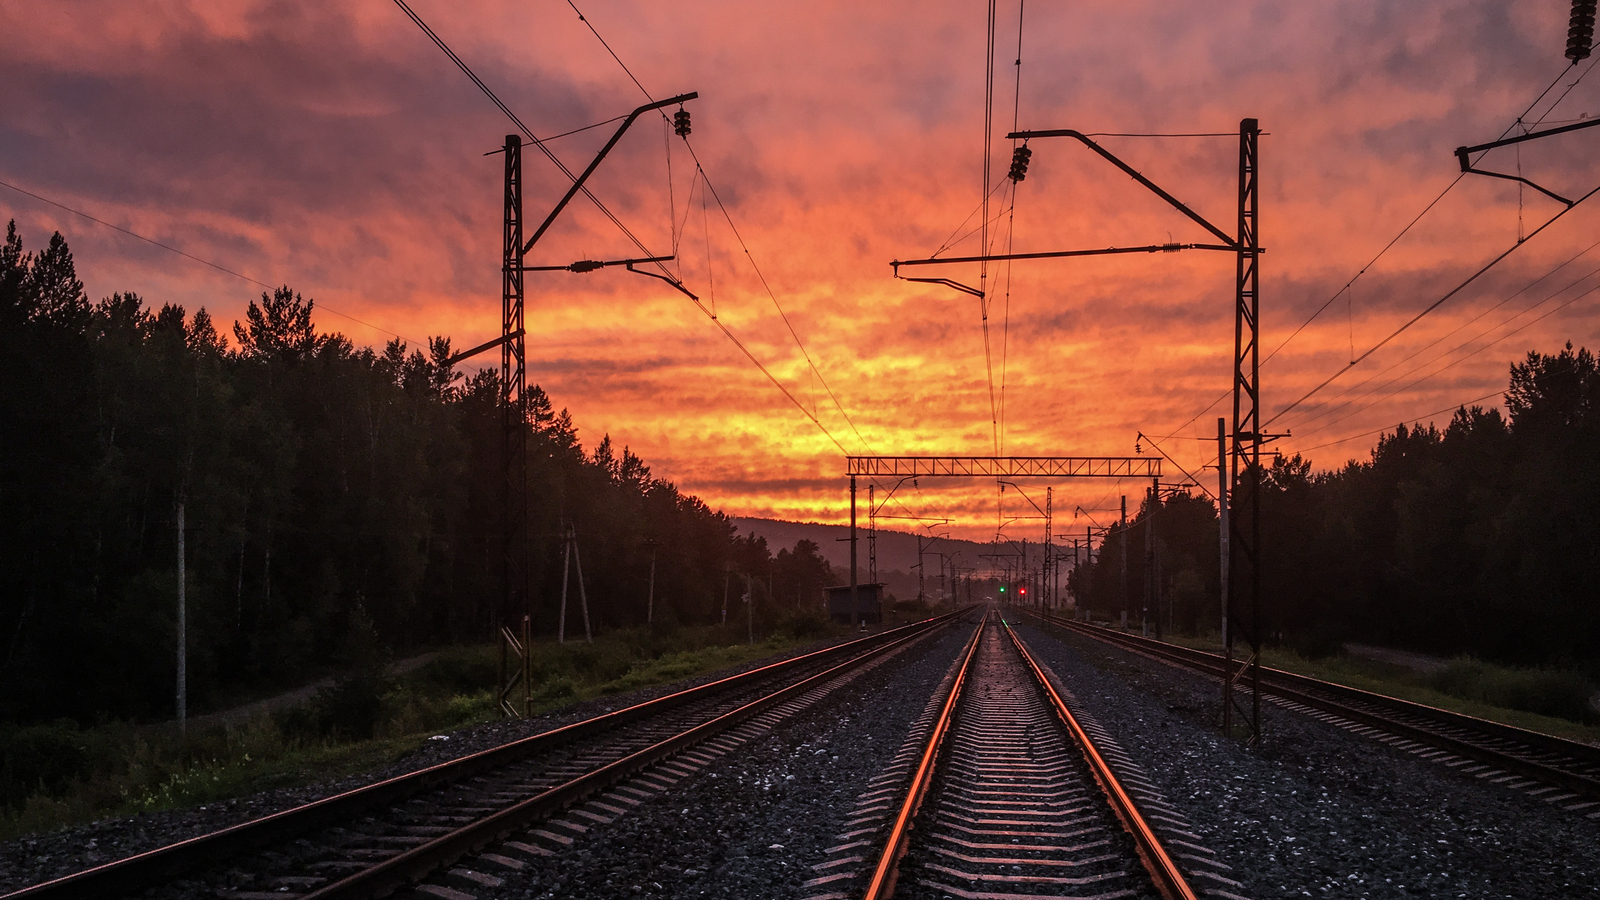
x=1580 y=30
x=680 y=122
x=1021 y=155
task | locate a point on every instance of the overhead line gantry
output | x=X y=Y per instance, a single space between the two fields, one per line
x=905 y=467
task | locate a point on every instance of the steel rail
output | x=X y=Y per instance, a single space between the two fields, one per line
x=1163 y=871
x=133 y=873
x=883 y=876
x=1340 y=700
x=419 y=862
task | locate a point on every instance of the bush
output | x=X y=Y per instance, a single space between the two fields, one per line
x=806 y=625
x=1548 y=692
x=42 y=759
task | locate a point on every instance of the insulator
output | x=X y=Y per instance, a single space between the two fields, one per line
x=1580 y=31
x=586 y=265
x=1019 y=163
x=680 y=122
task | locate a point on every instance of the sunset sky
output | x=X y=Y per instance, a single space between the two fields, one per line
x=332 y=147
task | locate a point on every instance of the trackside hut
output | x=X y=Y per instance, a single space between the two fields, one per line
x=871 y=599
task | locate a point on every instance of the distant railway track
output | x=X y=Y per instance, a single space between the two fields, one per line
x=1011 y=797
x=1555 y=769
x=530 y=797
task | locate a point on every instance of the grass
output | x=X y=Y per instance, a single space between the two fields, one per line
x=61 y=774
x=1548 y=700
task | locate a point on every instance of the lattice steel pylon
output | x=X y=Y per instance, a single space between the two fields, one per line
x=513 y=616
x=1244 y=525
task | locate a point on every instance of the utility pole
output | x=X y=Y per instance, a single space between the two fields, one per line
x=1123 y=533
x=566 y=569
x=1222 y=515
x=855 y=602
x=514 y=435
x=514 y=602
x=183 y=630
x=583 y=595
x=1046 y=596
x=872 y=534
x=650 y=604
x=1244 y=543
x=749 y=611
x=569 y=555
x=727 y=575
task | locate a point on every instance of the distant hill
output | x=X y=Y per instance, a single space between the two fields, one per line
x=897 y=550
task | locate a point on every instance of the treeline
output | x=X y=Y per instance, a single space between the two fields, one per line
x=327 y=490
x=1482 y=538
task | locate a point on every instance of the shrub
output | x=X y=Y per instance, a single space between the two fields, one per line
x=1549 y=692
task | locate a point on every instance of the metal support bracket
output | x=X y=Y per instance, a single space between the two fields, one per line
x=1463 y=155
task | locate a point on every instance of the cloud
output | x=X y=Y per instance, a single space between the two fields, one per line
x=334 y=148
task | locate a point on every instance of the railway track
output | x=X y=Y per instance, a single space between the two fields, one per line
x=1554 y=769
x=1011 y=797
x=528 y=798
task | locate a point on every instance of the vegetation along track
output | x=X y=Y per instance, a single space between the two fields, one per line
x=381 y=838
x=1556 y=770
x=1012 y=799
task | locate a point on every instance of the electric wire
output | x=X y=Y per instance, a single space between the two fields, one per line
x=1436 y=412
x=1011 y=221
x=1430 y=308
x=983 y=266
x=1464 y=344
x=204 y=262
x=1542 y=94
x=707 y=186
x=1329 y=407
x=1418 y=217
x=549 y=154
x=952 y=240
x=629 y=234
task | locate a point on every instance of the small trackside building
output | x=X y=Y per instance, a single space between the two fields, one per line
x=871 y=599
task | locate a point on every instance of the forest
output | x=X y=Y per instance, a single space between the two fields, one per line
x=330 y=494
x=1479 y=539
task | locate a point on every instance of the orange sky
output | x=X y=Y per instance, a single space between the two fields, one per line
x=333 y=148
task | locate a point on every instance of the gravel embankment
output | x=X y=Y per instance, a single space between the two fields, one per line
x=752 y=824
x=1319 y=811
x=41 y=857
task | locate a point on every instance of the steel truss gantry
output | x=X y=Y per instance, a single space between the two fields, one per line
x=905 y=467
x=1004 y=466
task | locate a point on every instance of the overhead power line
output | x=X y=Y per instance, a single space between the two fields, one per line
x=1430 y=308
x=515 y=120
x=1329 y=409
x=1505 y=337
x=1425 y=210
x=1450 y=408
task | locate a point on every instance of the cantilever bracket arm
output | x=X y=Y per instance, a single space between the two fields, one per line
x=1233 y=243
x=589 y=265
x=944 y=281
x=486 y=345
x=1054 y=254
x=1463 y=154
x=672 y=281
x=577 y=183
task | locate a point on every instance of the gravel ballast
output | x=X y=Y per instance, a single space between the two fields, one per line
x=1318 y=811
x=753 y=823
x=41 y=857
